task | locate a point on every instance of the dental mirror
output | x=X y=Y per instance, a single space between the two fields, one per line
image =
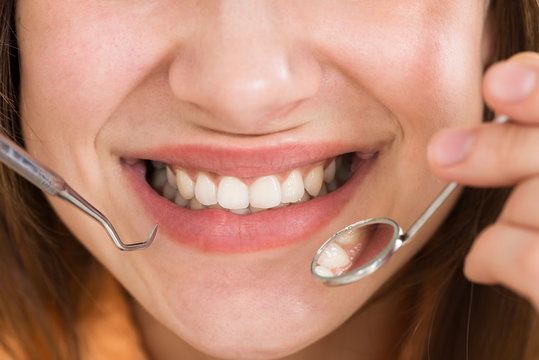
x=361 y=248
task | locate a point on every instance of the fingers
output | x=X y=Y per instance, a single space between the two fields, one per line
x=487 y=155
x=507 y=154
x=507 y=255
x=511 y=88
x=496 y=154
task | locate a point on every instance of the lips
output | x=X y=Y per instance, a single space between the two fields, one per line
x=216 y=230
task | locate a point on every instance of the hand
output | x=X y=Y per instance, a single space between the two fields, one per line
x=507 y=252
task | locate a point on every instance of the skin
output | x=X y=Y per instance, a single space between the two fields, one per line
x=109 y=77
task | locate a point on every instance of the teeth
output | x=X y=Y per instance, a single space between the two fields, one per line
x=171 y=178
x=348 y=238
x=232 y=193
x=305 y=197
x=180 y=201
x=241 y=211
x=195 y=205
x=159 y=179
x=205 y=190
x=169 y=192
x=313 y=180
x=158 y=165
x=323 y=190
x=329 y=172
x=186 y=186
x=265 y=192
x=323 y=271
x=292 y=189
x=334 y=257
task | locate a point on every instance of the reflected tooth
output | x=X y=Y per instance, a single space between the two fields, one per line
x=169 y=192
x=186 y=186
x=329 y=172
x=232 y=193
x=205 y=190
x=348 y=238
x=253 y=210
x=265 y=192
x=314 y=179
x=195 y=205
x=159 y=179
x=292 y=189
x=171 y=178
x=323 y=271
x=179 y=200
x=334 y=257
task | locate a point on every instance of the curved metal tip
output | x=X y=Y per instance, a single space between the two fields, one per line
x=140 y=245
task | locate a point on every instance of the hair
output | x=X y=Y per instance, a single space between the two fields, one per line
x=44 y=271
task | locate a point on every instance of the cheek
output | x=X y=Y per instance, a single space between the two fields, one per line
x=77 y=62
x=420 y=60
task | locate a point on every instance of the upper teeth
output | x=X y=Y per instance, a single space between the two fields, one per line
x=243 y=196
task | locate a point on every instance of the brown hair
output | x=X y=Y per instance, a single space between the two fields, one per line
x=43 y=269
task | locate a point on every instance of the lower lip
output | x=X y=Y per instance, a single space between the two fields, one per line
x=213 y=230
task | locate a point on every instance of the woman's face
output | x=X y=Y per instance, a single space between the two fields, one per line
x=239 y=95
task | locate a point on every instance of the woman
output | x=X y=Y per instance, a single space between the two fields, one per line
x=260 y=97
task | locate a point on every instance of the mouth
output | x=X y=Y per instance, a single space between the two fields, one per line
x=220 y=211
x=199 y=190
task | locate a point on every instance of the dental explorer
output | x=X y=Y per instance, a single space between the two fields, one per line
x=47 y=180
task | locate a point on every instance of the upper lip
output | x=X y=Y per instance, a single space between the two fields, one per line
x=248 y=162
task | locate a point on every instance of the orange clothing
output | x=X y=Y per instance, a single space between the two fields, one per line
x=108 y=331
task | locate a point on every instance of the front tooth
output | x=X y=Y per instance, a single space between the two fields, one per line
x=265 y=192
x=186 y=186
x=292 y=189
x=171 y=178
x=232 y=193
x=334 y=257
x=329 y=172
x=314 y=179
x=205 y=190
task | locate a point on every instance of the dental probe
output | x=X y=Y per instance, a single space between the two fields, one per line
x=47 y=180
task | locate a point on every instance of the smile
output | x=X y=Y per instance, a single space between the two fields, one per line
x=238 y=201
x=199 y=190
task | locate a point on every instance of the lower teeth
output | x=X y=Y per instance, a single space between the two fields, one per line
x=157 y=179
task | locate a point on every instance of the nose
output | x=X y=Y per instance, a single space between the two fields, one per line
x=245 y=69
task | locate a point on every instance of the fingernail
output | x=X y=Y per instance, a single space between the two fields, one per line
x=450 y=146
x=511 y=82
